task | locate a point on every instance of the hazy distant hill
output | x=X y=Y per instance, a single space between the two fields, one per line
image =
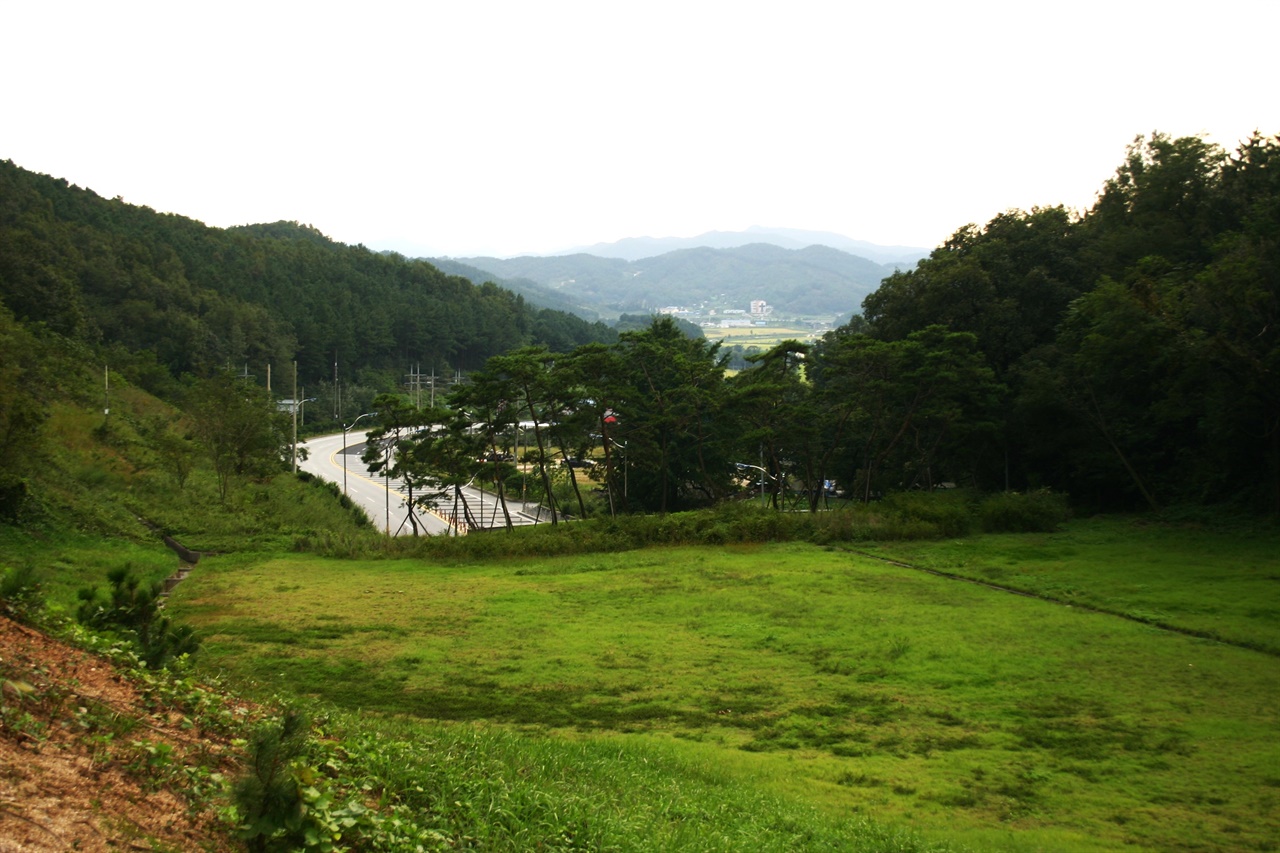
x=636 y=248
x=533 y=293
x=811 y=280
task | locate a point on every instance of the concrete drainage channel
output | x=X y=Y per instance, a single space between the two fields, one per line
x=187 y=558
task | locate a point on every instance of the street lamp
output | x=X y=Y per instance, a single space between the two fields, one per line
x=763 y=473
x=296 y=405
x=344 y=447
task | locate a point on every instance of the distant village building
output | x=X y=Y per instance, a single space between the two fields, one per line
x=760 y=308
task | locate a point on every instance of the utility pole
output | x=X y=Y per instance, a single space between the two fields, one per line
x=106 y=393
x=415 y=385
x=295 y=412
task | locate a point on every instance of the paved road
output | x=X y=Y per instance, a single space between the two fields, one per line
x=385 y=501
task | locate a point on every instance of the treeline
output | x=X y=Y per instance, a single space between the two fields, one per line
x=168 y=296
x=1127 y=356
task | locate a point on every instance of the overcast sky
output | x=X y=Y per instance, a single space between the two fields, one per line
x=461 y=128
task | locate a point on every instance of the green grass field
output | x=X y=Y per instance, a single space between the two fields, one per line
x=1224 y=583
x=988 y=719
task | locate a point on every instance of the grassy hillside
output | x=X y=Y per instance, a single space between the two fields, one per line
x=998 y=720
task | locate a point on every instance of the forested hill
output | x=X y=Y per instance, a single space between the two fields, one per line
x=1139 y=344
x=195 y=298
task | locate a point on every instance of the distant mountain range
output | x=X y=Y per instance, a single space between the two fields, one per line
x=808 y=277
x=637 y=248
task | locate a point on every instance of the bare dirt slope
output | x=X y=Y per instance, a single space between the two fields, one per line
x=88 y=762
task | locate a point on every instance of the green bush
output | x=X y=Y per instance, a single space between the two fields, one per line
x=21 y=593
x=908 y=515
x=1031 y=512
x=269 y=797
x=135 y=609
x=947 y=512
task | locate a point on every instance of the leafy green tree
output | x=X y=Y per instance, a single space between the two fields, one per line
x=595 y=370
x=448 y=455
x=1163 y=201
x=522 y=379
x=22 y=416
x=391 y=449
x=922 y=408
x=239 y=427
x=135 y=609
x=777 y=406
x=484 y=401
x=269 y=795
x=1008 y=283
x=670 y=401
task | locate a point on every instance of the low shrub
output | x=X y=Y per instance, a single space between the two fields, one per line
x=21 y=593
x=135 y=609
x=1018 y=512
x=948 y=512
x=902 y=516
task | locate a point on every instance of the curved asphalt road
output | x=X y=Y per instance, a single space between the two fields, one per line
x=383 y=501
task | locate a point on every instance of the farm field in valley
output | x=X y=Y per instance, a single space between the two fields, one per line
x=760 y=336
x=992 y=719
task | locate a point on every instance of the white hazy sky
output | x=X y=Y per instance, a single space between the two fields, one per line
x=461 y=128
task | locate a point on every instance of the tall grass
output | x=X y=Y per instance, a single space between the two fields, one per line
x=906 y=516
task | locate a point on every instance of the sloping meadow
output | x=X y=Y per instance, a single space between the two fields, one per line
x=998 y=720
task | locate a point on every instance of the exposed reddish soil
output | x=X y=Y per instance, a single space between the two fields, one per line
x=64 y=783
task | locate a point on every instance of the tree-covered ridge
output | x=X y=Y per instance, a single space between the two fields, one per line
x=1140 y=341
x=199 y=298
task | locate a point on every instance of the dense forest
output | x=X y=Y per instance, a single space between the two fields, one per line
x=167 y=296
x=1136 y=346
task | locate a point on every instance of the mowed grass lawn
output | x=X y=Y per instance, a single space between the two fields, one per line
x=997 y=720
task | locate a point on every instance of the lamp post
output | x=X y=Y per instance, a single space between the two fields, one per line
x=297 y=409
x=763 y=473
x=344 y=447
x=623 y=445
